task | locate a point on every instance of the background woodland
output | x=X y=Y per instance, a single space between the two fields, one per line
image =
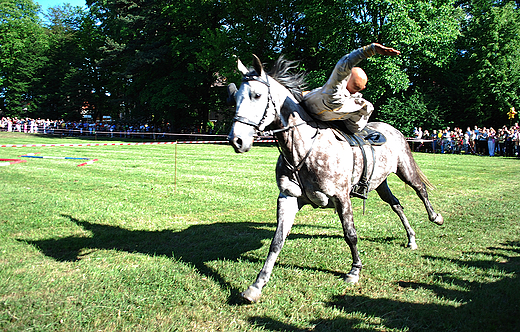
x=165 y=61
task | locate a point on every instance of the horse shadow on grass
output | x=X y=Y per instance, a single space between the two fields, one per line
x=482 y=306
x=195 y=245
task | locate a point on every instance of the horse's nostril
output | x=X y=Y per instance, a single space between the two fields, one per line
x=238 y=142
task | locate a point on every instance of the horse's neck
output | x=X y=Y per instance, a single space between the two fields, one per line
x=291 y=112
x=295 y=142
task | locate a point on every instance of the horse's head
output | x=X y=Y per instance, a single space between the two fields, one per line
x=255 y=107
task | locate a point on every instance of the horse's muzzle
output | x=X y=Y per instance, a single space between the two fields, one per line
x=241 y=137
x=238 y=144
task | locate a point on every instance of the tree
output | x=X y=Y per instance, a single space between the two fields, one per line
x=166 y=57
x=169 y=61
x=22 y=47
x=71 y=82
x=489 y=59
x=425 y=32
x=319 y=33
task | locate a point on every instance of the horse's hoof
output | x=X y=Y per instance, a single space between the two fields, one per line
x=439 y=220
x=251 y=295
x=352 y=279
x=412 y=246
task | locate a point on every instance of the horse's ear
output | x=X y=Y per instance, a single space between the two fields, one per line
x=257 y=65
x=242 y=68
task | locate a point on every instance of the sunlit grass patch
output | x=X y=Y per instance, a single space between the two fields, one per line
x=128 y=244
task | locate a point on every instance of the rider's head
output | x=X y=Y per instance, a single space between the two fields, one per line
x=357 y=81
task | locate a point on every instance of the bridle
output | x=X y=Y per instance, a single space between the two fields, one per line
x=295 y=169
x=270 y=100
x=260 y=124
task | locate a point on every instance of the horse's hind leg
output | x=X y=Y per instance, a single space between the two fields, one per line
x=386 y=195
x=409 y=172
x=287 y=208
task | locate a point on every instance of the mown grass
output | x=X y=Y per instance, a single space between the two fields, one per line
x=119 y=245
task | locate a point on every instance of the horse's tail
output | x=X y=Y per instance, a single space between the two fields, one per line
x=423 y=177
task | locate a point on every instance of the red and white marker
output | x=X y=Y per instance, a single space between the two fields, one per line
x=90 y=162
x=7 y=162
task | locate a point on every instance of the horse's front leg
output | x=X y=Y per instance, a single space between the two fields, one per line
x=287 y=208
x=344 y=209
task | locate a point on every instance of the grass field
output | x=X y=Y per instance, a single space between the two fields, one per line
x=127 y=244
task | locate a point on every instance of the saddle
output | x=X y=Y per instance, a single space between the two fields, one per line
x=365 y=136
x=368 y=137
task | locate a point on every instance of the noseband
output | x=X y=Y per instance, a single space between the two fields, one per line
x=270 y=100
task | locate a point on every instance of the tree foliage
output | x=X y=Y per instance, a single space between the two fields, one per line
x=169 y=61
x=71 y=82
x=165 y=57
x=22 y=47
x=490 y=62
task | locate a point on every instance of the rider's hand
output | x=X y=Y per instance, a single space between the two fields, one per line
x=383 y=50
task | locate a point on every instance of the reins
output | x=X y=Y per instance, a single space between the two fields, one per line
x=296 y=168
x=276 y=131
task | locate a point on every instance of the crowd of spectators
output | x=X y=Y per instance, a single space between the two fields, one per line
x=78 y=128
x=25 y=125
x=479 y=141
x=99 y=128
x=483 y=141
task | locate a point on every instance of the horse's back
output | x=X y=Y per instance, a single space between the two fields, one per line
x=398 y=150
x=396 y=142
x=394 y=156
x=389 y=131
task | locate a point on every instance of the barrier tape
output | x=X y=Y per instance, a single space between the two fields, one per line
x=76 y=145
x=120 y=144
x=419 y=140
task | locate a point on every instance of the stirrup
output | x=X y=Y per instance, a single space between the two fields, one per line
x=359 y=190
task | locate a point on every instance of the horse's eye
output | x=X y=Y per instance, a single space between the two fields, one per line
x=257 y=96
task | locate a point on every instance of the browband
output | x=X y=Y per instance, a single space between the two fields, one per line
x=251 y=77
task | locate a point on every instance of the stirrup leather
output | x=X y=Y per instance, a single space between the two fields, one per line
x=360 y=189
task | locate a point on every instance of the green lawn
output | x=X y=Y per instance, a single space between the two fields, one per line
x=128 y=244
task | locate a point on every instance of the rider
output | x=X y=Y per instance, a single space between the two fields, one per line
x=340 y=98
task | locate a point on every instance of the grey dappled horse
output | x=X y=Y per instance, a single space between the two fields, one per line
x=316 y=166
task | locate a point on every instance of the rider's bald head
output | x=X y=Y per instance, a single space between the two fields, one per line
x=357 y=81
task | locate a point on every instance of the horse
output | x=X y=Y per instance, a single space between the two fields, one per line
x=316 y=166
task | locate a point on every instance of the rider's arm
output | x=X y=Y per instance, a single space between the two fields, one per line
x=347 y=62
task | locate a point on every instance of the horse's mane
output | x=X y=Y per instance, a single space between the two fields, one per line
x=294 y=82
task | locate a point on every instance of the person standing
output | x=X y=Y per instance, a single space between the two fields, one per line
x=482 y=142
x=491 y=141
